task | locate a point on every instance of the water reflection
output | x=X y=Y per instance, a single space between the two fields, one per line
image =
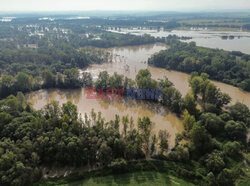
x=135 y=58
x=160 y=116
x=180 y=80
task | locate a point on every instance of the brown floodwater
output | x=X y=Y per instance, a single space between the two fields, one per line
x=180 y=81
x=159 y=115
x=235 y=40
x=128 y=61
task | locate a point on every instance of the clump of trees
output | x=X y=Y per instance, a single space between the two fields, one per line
x=213 y=140
x=211 y=97
x=209 y=93
x=228 y=67
x=70 y=78
x=57 y=136
x=171 y=97
x=26 y=70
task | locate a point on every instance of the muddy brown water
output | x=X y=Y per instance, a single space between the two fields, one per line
x=128 y=61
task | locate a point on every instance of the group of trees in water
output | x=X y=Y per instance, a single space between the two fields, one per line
x=209 y=150
x=57 y=136
x=211 y=96
x=228 y=67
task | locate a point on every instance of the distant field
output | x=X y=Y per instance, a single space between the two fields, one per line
x=212 y=21
x=138 y=178
x=231 y=24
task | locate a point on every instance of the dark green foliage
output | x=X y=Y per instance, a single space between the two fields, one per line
x=240 y=112
x=219 y=64
x=215 y=161
x=208 y=91
x=213 y=123
x=118 y=166
x=236 y=130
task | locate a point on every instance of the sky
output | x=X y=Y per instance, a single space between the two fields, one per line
x=155 y=5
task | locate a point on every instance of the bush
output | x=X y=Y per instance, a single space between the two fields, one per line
x=119 y=165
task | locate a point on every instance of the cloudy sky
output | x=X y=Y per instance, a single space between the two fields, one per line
x=186 y=5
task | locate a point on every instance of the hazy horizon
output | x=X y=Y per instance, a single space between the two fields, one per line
x=128 y=5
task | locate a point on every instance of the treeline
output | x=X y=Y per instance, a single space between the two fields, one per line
x=95 y=21
x=228 y=67
x=45 y=35
x=103 y=39
x=70 y=78
x=26 y=70
x=208 y=152
x=212 y=97
x=57 y=59
x=213 y=143
x=112 y=39
x=56 y=137
x=171 y=96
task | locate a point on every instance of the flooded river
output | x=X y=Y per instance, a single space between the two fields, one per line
x=226 y=40
x=135 y=58
x=128 y=61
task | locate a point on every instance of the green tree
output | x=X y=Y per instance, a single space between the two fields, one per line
x=145 y=127
x=87 y=79
x=213 y=123
x=236 y=130
x=6 y=85
x=215 y=161
x=103 y=81
x=188 y=120
x=191 y=105
x=116 y=81
x=226 y=177
x=22 y=100
x=200 y=139
x=241 y=112
x=232 y=149
x=172 y=99
x=23 y=82
x=163 y=140
x=180 y=154
x=49 y=79
x=125 y=121
x=144 y=81
x=71 y=110
x=52 y=110
x=72 y=78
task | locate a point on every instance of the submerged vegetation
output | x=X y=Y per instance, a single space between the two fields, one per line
x=57 y=137
x=211 y=150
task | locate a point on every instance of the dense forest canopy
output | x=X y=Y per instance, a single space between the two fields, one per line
x=56 y=136
x=228 y=67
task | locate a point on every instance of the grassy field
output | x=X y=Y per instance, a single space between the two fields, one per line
x=135 y=173
x=138 y=178
x=245 y=180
